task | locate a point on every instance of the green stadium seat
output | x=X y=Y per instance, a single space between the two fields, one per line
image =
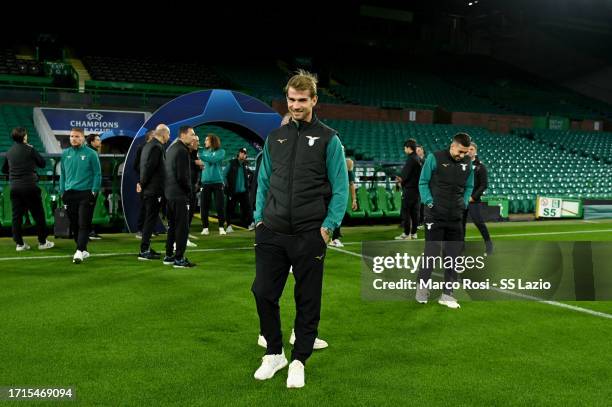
x=366 y=203
x=384 y=204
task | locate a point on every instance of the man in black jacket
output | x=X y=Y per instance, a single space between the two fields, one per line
x=20 y=164
x=446 y=184
x=480 y=185
x=301 y=198
x=141 y=210
x=178 y=190
x=409 y=180
x=152 y=180
x=236 y=188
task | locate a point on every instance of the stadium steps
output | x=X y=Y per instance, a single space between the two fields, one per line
x=80 y=69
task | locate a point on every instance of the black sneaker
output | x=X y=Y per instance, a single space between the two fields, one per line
x=94 y=236
x=149 y=255
x=169 y=260
x=183 y=263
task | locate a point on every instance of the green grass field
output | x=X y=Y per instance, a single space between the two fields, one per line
x=130 y=333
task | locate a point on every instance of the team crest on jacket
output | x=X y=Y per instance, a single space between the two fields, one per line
x=311 y=140
x=281 y=140
x=463 y=167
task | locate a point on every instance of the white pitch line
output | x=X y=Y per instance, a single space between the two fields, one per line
x=569 y=232
x=553 y=303
x=221 y=249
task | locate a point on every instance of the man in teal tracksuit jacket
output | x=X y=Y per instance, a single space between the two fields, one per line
x=80 y=181
x=301 y=199
x=445 y=186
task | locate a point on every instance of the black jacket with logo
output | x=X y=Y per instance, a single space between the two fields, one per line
x=448 y=184
x=300 y=191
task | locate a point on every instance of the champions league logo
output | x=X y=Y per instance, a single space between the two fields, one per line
x=94 y=116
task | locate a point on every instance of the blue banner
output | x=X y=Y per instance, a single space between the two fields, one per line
x=95 y=121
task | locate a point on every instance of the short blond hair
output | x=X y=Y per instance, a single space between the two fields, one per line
x=303 y=80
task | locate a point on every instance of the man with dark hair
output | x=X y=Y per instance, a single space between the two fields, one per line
x=141 y=211
x=301 y=198
x=20 y=165
x=178 y=194
x=446 y=184
x=236 y=187
x=80 y=181
x=480 y=185
x=152 y=181
x=409 y=180
x=421 y=154
x=197 y=166
x=95 y=143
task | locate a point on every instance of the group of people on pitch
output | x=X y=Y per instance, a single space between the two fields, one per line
x=301 y=198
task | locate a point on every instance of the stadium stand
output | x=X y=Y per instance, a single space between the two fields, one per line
x=152 y=71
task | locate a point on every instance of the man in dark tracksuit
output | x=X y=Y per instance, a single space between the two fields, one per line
x=409 y=179
x=178 y=190
x=236 y=184
x=20 y=165
x=152 y=181
x=301 y=198
x=446 y=184
x=80 y=181
x=95 y=143
x=480 y=185
x=141 y=210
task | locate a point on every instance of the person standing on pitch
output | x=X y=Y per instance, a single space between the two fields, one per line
x=212 y=182
x=152 y=182
x=141 y=211
x=409 y=180
x=301 y=199
x=178 y=194
x=236 y=187
x=95 y=143
x=480 y=185
x=446 y=184
x=20 y=165
x=197 y=166
x=80 y=181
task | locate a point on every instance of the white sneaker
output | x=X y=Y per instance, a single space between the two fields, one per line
x=403 y=236
x=205 y=232
x=46 y=245
x=85 y=254
x=229 y=229
x=78 y=257
x=261 y=341
x=270 y=364
x=295 y=377
x=336 y=243
x=448 y=301
x=252 y=226
x=190 y=244
x=22 y=247
x=414 y=236
x=318 y=343
x=222 y=232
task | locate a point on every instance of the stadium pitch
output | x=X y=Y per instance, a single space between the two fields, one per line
x=125 y=332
